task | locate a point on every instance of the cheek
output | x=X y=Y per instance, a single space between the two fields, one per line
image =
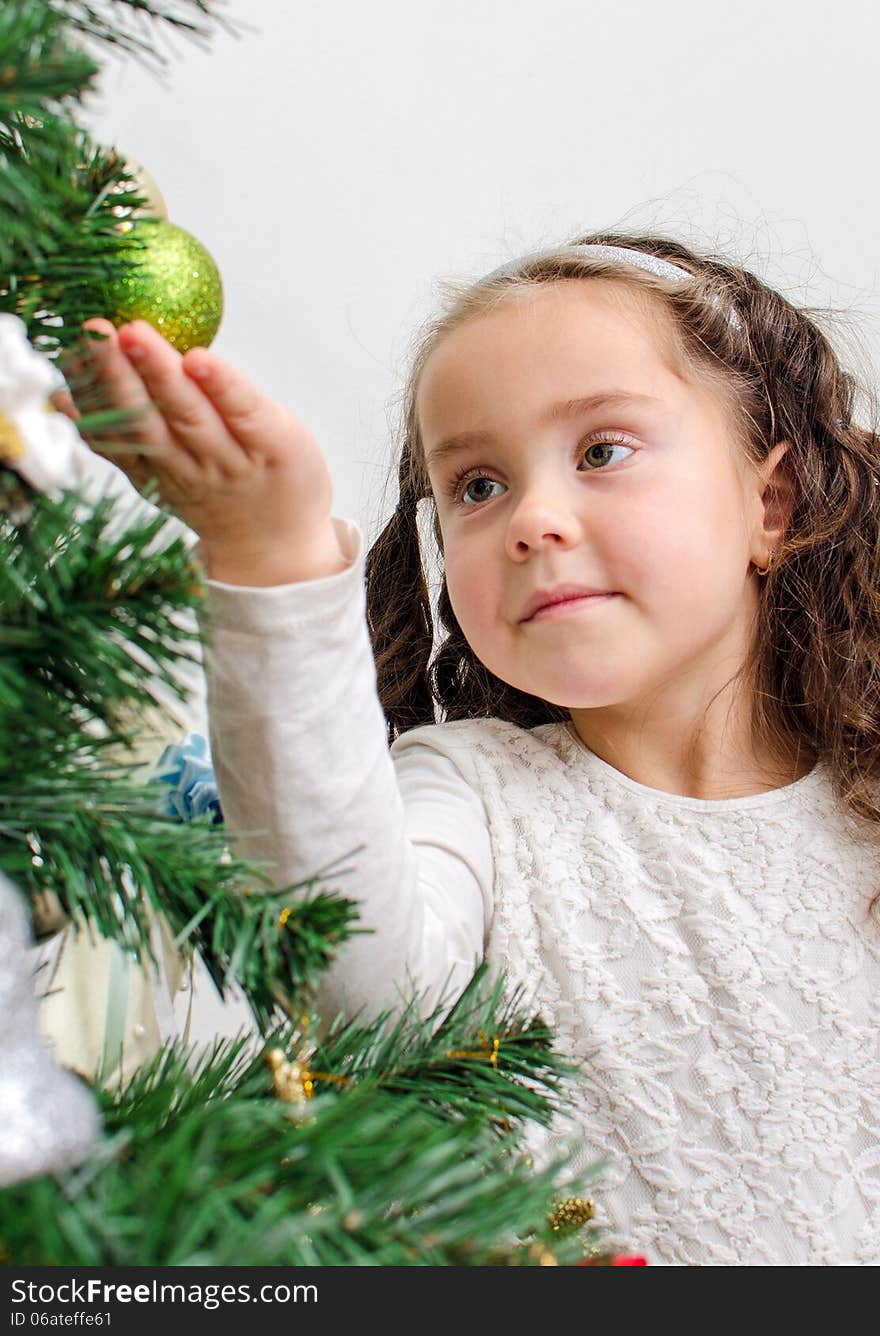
x=477 y=596
x=687 y=547
x=473 y=589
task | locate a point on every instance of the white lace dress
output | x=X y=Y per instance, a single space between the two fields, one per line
x=710 y=964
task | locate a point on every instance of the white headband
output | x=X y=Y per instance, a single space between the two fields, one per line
x=621 y=254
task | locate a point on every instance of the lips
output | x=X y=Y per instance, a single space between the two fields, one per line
x=546 y=598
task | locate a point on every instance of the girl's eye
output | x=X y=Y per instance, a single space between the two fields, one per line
x=457 y=488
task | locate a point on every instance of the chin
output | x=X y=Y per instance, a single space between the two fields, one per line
x=571 y=692
x=574 y=689
x=561 y=696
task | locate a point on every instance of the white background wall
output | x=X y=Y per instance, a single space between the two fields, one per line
x=338 y=157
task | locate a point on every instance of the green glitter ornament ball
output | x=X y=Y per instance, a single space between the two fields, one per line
x=175 y=287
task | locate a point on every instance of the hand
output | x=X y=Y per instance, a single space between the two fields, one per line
x=241 y=470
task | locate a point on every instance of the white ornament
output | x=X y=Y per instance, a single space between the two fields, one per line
x=39 y=443
x=48 y=1118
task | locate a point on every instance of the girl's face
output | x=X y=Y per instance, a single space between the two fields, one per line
x=588 y=460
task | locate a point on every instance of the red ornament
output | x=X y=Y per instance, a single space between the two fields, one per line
x=619 y=1260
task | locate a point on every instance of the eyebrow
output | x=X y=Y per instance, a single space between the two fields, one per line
x=567 y=408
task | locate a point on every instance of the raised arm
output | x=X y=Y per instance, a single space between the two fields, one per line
x=297 y=730
x=301 y=757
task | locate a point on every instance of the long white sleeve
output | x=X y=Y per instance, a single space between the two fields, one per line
x=308 y=783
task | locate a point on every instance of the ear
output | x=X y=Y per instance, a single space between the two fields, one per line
x=775 y=495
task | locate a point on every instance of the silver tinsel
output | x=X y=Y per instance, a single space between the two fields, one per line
x=48 y=1117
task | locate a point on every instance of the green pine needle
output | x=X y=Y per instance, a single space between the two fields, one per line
x=448 y=1056
x=201 y=1165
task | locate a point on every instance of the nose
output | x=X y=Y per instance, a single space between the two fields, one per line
x=543 y=517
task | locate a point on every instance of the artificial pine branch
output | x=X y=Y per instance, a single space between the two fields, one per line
x=178 y=1079
x=59 y=273
x=92 y=620
x=62 y=199
x=442 y=1064
x=90 y=604
x=43 y=77
x=358 y=1176
x=476 y=1058
x=114 y=860
x=38 y=69
x=128 y=26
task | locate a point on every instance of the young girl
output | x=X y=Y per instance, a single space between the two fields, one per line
x=652 y=798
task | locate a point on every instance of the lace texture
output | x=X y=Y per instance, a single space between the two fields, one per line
x=713 y=968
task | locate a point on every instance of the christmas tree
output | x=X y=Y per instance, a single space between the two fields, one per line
x=314 y=1140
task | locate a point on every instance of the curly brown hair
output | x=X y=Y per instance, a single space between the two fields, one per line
x=814 y=666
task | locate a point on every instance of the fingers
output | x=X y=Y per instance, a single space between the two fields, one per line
x=254 y=421
x=62 y=402
x=113 y=410
x=202 y=422
x=190 y=418
x=118 y=383
x=155 y=365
